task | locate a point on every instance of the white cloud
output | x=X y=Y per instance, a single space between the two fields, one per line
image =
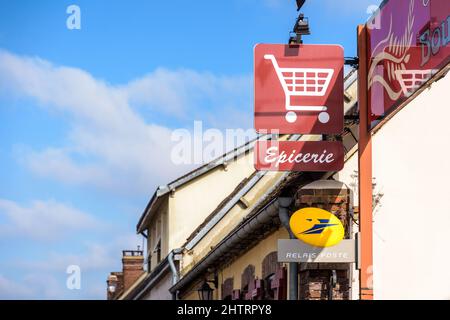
x=45 y=278
x=94 y=257
x=91 y=256
x=58 y=164
x=33 y=286
x=10 y=289
x=110 y=145
x=181 y=92
x=42 y=220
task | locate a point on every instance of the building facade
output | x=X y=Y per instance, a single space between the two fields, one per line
x=214 y=232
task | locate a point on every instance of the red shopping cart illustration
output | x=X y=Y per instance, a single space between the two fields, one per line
x=411 y=80
x=299 y=89
x=309 y=82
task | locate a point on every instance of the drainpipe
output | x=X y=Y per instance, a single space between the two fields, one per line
x=332 y=284
x=173 y=268
x=283 y=213
x=265 y=216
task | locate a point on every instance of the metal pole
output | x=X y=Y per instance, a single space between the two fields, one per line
x=293 y=281
x=283 y=213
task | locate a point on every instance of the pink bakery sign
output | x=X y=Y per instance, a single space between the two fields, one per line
x=409 y=42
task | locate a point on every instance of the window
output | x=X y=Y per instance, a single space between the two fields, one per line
x=257 y=291
x=279 y=284
x=275 y=278
x=247 y=281
x=269 y=293
x=157 y=250
x=149 y=261
x=149 y=252
x=227 y=289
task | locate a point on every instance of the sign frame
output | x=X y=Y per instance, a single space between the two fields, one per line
x=311 y=156
x=294 y=250
x=395 y=78
x=299 y=89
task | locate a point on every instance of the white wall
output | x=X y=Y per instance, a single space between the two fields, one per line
x=349 y=176
x=411 y=163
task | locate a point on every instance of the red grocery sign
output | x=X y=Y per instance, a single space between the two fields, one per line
x=299 y=155
x=409 y=42
x=299 y=88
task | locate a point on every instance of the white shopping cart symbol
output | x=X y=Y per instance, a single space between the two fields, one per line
x=411 y=80
x=312 y=82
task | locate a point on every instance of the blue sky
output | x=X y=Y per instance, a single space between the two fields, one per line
x=87 y=116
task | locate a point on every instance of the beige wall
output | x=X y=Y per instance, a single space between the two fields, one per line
x=193 y=202
x=411 y=163
x=255 y=257
x=192 y=295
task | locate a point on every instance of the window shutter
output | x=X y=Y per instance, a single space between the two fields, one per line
x=279 y=284
x=236 y=294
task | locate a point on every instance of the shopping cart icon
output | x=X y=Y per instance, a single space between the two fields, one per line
x=411 y=80
x=303 y=82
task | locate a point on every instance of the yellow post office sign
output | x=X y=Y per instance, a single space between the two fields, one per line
x=317 y=227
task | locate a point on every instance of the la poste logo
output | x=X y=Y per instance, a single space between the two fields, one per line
x=299 y=88
x=317 y=227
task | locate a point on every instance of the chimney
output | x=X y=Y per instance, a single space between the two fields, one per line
x=114 y=285
x=132 y=267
